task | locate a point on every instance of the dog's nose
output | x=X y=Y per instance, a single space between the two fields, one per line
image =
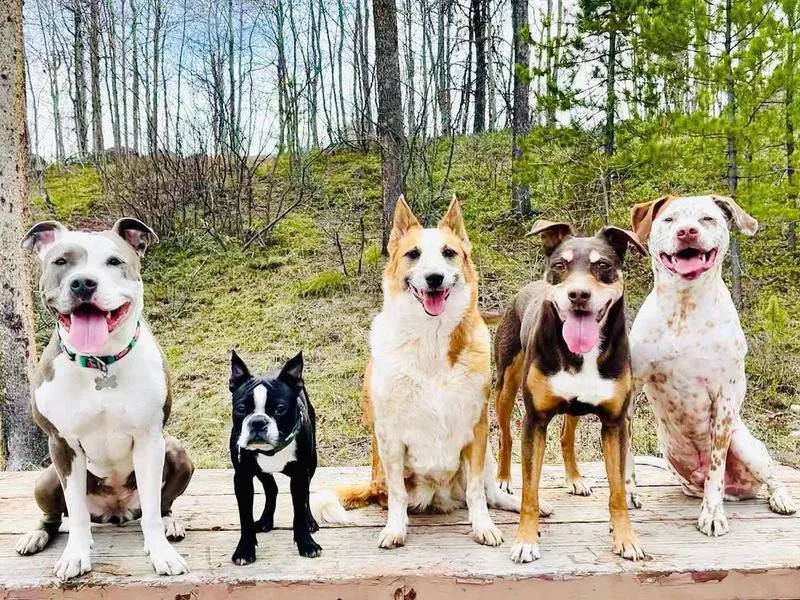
x=687 y=233
x=258 y=425
x=83 y=287
x=434 y=280
x=579 y=296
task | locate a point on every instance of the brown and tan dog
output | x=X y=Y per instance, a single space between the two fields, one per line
x=565 y=341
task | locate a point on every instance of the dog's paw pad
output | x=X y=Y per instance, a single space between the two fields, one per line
x=525 y=552
x=174 y=529
x=504 y=485
x=781 y=502
x=628 y=547
x=32 y=542
x=392 y=538
x=579 y=487
x=545 y=508
x=712 y=521
x=487 y=534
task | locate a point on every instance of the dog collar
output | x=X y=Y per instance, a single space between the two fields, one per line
x=284 y=442
x=100 y=362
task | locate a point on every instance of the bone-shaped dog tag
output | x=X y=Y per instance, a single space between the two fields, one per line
x=105 y=381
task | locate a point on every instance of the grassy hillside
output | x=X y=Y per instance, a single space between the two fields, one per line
x=204 y=297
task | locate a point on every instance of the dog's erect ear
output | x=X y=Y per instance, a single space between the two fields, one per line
x=619 y=239
x=736 y=215
x=404 y=220
x=136 y=233
x=643 y=215
x=552 y=233
x=453 y=220
x=41 y=236
x=292 y=371
x=239 y=371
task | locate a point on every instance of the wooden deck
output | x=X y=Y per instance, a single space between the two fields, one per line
x=759 y=558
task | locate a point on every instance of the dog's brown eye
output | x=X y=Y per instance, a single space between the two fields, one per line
x=60 y=261
x=603 y=265
x=113 y=262
x=412 y=254
x=668 y=219
x=280 y=410
x=708 y=219
x=449 y=253
x=558 y=267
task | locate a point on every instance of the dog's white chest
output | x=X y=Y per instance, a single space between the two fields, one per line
x=585 y=386
x=278 y=461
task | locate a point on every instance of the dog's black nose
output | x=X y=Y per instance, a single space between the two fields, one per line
x=83 y=287
x=258 y=424
x=579 y=296
x=434 y=280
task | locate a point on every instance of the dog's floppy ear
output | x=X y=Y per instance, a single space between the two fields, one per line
x=292 y=371
x=643 y=215
x=619 y=239
x=552 y=233
x=453 y=220
x=404 y=220
x=136 y=233
x=736 y=215
x=41 y=236
x=239 y=371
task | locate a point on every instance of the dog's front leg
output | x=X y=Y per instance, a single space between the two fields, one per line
x=615 y=447
x=392 y=453
x=713 y=521
x=148 y=465
x=70 y=462
x=299 y=486
x=245 y=552
x=483 y=528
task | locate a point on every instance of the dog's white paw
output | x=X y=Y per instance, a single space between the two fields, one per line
x=781 y=502
x=712 y=521
x=634 y=499
x=32 y=542
x=525 y=552
x=545 y=508
x=487 y=533
x=627 y=545
x=579 y=487
x=165 y=559
x=174 y=529
x=74 y=561
x=504 y=485
x=392 y=537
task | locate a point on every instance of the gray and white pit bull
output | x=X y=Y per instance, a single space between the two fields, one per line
x=102 y=394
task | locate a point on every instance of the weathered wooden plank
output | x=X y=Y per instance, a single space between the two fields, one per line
x=220 y=481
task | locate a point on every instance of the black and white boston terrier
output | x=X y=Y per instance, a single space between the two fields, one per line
x=273 y=432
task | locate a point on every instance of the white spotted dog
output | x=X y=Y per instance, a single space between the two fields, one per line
x=688 y=353
x=102 y=394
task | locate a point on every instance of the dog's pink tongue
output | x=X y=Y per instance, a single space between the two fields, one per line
x=433 y=302
x=684 y=266
x=88 y=331
x=581 y=332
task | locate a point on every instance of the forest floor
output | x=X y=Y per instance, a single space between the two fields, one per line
x=204 y=297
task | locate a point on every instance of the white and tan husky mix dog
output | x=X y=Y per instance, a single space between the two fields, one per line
x=427 y=384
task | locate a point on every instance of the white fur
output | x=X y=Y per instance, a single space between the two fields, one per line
x=688 y=352
x=586 y=385
x=277 y=462
x=260 y=401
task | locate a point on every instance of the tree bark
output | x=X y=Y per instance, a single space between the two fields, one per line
x=479 y=9
x=390 y=110
x=23 y=444
x=79 y=101
x=94 y=70
x=611 y=80
x=135 y=76
x=732 y=176
x=153 y=128
x=520 y=125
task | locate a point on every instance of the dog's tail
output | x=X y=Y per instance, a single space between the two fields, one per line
x=326 y=508
x=651 y=461
x=359 y=495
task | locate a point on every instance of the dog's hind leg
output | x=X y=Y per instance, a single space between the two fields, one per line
x=509 y=359
x=634 y=498
x=754 y=456
x=178 y=471
x=50 y=498
x=575 y=483
x=502 y=500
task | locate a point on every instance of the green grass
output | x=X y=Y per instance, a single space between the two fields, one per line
x=70 y=193
x=271 y=301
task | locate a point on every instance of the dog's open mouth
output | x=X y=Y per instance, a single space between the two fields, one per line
x=433 y=301
x=88 y=326
x=581 y=329
x=690 y=263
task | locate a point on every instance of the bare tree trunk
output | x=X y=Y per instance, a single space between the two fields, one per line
x=520 y=126
x=732 y=176
x=153 y=128
x=80 y=77
x=53 y=63
x=94 y=69
x=112 y=61
x=490 y=70
x=390 y=109
x=611 y=96
x=34 y=106
x=23 y=444
x=410 y=49
x=135 y=76
x=479 y=8
x=340 y=13
x=366 y=77
x=443 y=67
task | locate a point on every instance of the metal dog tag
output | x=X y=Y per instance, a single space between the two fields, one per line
x=105 y=381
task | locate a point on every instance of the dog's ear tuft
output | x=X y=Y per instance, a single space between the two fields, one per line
x=136 y=233
x=619 y=239
x=292 y=371
x=239 y=371
x=453 y=220
x=643 y=215
x=552 y=233
x=736 y=215
x=41 y=236
x=404 y=221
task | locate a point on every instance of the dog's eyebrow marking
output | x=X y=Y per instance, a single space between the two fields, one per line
x=594 y=256
x=567 y=255
x=260 y=397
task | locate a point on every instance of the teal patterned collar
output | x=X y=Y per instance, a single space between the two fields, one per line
x=100 y=362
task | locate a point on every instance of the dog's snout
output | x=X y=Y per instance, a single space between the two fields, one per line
x=258 y=424
x=434 y=280
x=579 y=296
x=688 y=233
x=83 y=287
